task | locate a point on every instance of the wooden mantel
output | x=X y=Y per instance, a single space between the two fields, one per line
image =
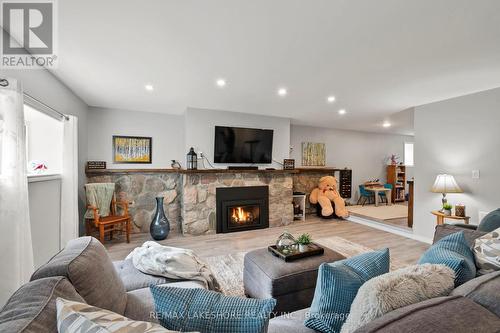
x=190 y=195
x=97 y=172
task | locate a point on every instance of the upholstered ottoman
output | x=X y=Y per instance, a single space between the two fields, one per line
x=292 y=284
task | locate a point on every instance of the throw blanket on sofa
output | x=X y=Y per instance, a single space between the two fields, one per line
x=172 y=262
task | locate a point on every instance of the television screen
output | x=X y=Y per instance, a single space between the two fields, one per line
x=243 y=145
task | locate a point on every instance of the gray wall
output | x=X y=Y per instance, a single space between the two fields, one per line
x=365 y=153
x=200 y=125
x=166 y=130
x=173 y=135
x=457 y=136
x=45 y=87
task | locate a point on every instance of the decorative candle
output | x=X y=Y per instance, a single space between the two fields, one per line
x=460 y=210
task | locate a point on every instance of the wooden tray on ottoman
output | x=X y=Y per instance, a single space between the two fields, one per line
x=313 y=250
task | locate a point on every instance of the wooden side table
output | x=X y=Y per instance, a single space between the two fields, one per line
x=440 y=217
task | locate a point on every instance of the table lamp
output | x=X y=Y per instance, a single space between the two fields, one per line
x=445 y=184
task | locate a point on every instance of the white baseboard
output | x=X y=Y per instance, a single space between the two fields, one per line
x=388 y=228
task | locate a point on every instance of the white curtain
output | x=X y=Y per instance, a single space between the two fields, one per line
x=16 y=250
x=69 y=185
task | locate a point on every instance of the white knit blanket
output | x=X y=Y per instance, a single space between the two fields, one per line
x=172 y=262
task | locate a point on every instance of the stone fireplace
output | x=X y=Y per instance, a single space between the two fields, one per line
x=242 y=208
x=190 y=196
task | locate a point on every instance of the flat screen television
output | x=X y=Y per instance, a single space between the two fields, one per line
x=243 y=145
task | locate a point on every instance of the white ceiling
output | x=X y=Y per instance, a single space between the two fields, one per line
x=377 y=57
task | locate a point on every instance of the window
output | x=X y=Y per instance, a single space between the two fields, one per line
x=44 y=142
x=409 y=154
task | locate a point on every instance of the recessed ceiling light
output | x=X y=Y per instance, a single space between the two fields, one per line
x=149 y=87
x=342 y=111
x=331 y=99
x=220 y=83
x=386 y=124
x=282 y=92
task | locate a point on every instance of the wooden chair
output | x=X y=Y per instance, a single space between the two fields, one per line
x=110 y=223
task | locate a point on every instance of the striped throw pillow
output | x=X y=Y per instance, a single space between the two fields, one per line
x=75 y=317
x=194 y=309
x=453 y=252
x=337 y=286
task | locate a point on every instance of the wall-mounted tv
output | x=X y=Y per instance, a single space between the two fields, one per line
x=243 y=145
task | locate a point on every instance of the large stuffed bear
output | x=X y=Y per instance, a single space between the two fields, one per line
x=325 y=194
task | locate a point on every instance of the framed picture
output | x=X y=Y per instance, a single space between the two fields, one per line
x=313 y=154
x=288 y=164
x=132 y=149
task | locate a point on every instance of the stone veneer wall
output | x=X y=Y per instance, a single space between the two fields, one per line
x=199 y=204
x=189 y=198
x=141 y=189
x=306 y=182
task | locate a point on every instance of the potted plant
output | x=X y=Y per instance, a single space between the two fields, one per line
x=447 y=209
x=304 y=240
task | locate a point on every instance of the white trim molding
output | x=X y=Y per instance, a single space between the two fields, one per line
x=393 y=230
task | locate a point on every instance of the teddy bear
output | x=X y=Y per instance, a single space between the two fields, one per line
x=325 y=194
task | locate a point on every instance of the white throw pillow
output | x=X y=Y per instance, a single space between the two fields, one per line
x=397 y=289
x=487 y=252
x=75 y=317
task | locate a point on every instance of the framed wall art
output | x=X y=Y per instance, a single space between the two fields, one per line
x=313 y=154
x=132 y=149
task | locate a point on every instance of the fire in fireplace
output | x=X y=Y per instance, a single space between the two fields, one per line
x=245 y=215
x=242 y=208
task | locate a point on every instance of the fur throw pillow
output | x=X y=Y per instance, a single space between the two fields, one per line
x=397 y=289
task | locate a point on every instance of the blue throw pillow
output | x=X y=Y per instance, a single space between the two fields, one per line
x=200 y=310
x=338 y=284
x=453 y=252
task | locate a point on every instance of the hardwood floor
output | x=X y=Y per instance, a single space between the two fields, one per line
x=406 y=251
x=400 y=223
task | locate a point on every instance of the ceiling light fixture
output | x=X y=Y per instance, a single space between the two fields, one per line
x=282 y=92
x=342 y=111
x=331 y=99
x=149 y=87
x=386 y=124
x=220 y=83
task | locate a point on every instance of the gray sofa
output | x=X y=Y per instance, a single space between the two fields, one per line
x=472 y=307
x=84 y=272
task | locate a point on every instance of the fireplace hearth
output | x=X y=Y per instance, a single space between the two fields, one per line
x=242 y=208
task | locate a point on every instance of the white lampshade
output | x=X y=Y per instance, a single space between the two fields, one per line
x=445 y=184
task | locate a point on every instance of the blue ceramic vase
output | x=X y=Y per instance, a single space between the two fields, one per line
x=160 y=226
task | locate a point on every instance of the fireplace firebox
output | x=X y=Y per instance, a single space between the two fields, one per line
x=242 y=208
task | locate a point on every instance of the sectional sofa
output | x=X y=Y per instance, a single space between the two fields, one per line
x=84 y=272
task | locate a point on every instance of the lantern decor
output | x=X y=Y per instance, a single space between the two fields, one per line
x=192 y=160
x=286 y=244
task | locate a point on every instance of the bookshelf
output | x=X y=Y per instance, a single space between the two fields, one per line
x=396 y=175
x=345 y=183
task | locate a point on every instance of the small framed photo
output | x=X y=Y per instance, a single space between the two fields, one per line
x=132 y=149
x=288 y=164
